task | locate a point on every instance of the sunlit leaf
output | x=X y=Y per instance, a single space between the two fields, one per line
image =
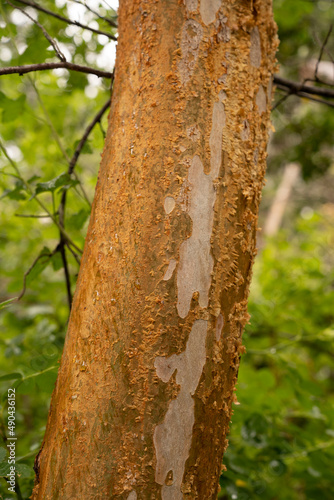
x=59 y=181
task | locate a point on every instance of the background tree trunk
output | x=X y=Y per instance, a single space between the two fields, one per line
x=142 y=403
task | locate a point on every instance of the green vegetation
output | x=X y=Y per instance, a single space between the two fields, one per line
x=282 y=437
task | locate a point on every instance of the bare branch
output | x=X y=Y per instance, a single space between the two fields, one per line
x=84 y=138
x=32 y=216
x=29 y=68
x=107 y=19
x=62 y=205
x=66 y=273
x=75 y=255
x=318 y=80
x=61 y=246
x=36 y=6
x=280 y=101
x=323 y=46
x=314 y=99
x=303 y=90
x=49 y=38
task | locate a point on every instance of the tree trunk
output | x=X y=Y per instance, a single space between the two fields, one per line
x=142 y=403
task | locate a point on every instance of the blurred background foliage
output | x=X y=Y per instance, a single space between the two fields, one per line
x=282 y=437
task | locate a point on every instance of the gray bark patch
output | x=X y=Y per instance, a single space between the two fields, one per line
x=196 y=262
x=261 y=100
x=191 y=37
x=216 y=137
x=170 y=270
x=172 y=438
x=169 y=204
x=209 y=9
x=132 y=496
x=191 y=5
x=255 y=48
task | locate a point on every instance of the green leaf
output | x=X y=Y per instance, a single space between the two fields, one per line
x=7 y=302
x=3 y=454
x=47 y=381
x=42 y=262
x=62 y=180
x=11 y=376
x=24 y=470
x=33 y=178
x=76 y=221
x=11 y=108
x=16 y=193
x=4 y=469
x=56 y=261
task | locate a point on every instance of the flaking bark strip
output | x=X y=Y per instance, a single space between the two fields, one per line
x=172 y=438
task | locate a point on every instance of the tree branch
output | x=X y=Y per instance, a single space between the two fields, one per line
x=29 y=68
x=62 y=205
x=84 y=138
x=75 y=255
x=323 y=46
x=49 y=38
x=297 y=88
x=106 y=19
x=32 y=216
x=62 y=250
x=64 y=19
x=314 y=99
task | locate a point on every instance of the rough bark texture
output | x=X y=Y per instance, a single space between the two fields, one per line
x=142 y=404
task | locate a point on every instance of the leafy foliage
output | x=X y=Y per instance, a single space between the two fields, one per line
x=282 y=438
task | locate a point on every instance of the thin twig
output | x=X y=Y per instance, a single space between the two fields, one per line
x=26 y=274
x=281 y=100
x=62 y=251
x=107 y=19
x=296 y=88
x=62 y=205
x=84 y=138
x=83 y=193
x=29 y=68
x=49 y=38
x=31 y=216
x=65 y=19
x=318 y=80
x=314 y=99
x=109 y=6
x=323 y=46
x=75 y=255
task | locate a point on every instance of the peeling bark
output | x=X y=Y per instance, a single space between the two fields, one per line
x=142 y=404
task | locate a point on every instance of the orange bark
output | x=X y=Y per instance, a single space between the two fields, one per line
x=142 y=403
